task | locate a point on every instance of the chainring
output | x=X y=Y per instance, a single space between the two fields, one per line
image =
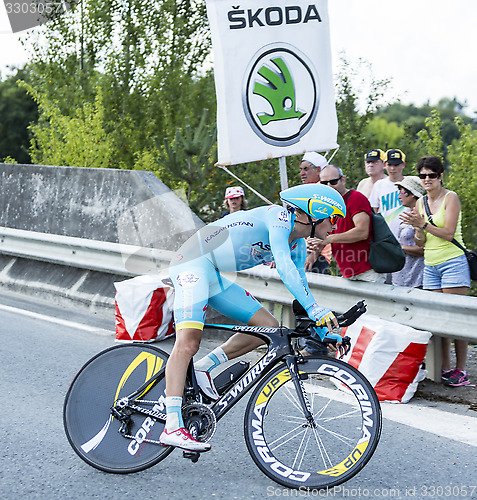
x=200 y=420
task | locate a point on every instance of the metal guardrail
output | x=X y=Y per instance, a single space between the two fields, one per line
x=443 y=315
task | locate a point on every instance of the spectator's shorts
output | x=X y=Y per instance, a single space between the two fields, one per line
x=198 y=283
x=452 y=273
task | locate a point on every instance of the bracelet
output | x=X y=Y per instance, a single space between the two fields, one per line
x=424 y=226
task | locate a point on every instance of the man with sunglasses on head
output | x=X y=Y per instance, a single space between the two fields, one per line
x=350 y=240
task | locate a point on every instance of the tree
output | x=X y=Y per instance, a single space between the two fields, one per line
x=17 y=110
x=354 y=136
x=430 y=138
x=462 y=177
x=79 y=140
x=145 y=59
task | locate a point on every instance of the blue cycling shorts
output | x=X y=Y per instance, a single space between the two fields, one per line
x=199 y=283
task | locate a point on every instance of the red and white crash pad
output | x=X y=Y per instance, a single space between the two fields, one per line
x=389 y=355
x=143 y=309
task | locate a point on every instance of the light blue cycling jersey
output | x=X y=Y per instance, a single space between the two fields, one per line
x=236 y=242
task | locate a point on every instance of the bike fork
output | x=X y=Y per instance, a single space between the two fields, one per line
x=300 y=389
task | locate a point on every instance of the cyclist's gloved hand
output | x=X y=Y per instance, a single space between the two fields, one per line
x=322 y=316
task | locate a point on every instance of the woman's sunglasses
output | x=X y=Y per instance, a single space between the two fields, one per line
x=333 y=182
x=433 y=175
x=334 y=219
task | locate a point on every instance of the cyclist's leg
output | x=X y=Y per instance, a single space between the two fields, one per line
x=241 y=343
x=191 y=294
x=236 y=303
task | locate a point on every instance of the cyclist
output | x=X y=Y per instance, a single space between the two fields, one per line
x=237 y=242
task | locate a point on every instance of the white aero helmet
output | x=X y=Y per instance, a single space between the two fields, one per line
x=316 y=200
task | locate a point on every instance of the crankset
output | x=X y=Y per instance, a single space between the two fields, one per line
x=200 y=420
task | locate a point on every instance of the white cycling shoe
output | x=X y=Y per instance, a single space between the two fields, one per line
x=206 y=385
x=181 y=438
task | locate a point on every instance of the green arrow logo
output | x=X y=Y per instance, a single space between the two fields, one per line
x=279 y=92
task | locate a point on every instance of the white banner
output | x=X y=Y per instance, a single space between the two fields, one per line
x=273 y=78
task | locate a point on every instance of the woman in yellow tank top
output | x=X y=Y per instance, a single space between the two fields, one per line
x=446 y=269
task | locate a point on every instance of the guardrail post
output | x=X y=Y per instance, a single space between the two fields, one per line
x=434 y=358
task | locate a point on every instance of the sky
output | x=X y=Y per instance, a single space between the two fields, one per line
x=426 y=47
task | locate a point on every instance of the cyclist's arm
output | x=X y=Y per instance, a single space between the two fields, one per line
x=291 y=267
x=279 y=231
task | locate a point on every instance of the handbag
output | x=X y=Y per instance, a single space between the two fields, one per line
x=386 y=254
x=469 y=254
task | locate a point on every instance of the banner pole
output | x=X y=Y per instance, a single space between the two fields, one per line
x=282 y=163
x=225 y=169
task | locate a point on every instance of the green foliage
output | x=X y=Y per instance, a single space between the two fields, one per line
x=78 y=140
x=413 y=119
x=189 y=158
x=17 y=111
x=430 y=138
x=382 y=132
x=354 y=137
x=144 y=61
x=462 y=178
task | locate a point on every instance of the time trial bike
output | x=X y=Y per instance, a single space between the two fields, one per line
x=311 y=421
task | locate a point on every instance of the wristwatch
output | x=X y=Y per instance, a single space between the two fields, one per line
x=424 y=226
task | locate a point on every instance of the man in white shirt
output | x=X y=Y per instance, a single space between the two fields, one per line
x=384 y=196
x=374 y=165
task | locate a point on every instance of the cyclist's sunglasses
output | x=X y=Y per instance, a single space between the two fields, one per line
x=333 y=182
x=433 y=175
x=334 y=219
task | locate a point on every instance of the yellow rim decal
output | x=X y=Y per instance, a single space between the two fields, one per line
x=154 y=364
x=272 y=386
x=348 y=462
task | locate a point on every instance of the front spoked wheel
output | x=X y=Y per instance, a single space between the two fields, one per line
x=126 y=441
x=331 y=449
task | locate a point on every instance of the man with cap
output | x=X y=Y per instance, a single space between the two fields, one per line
x=374 y=165
x=384 y=196
x=310 y=167
x=234 y=200
x=410 y=190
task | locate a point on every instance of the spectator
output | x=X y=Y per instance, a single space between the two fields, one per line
x=374 y=165
x=384 y=196
x=234 y=200
x=410 y=190
x=446 y=269
x=310 y=167
x=350 y=240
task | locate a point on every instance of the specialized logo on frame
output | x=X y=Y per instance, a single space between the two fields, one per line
x=280 y=94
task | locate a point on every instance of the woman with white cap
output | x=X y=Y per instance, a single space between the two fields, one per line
x=234 y=200
x=410 y=190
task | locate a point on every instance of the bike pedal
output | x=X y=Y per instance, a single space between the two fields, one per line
x=191 y=455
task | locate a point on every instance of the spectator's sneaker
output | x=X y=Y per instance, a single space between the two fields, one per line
x=456 y=379
x=446 y=374
x=181 y=438
x=206 y=385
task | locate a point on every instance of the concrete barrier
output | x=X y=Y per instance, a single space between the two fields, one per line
x=119 y=206
x=116 y=206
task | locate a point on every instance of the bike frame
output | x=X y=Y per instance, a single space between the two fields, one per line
x=279 y=350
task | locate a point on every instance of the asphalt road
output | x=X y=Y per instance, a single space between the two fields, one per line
x=40 y=356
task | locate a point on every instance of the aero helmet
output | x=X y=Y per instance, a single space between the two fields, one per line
x=316 y=200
